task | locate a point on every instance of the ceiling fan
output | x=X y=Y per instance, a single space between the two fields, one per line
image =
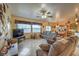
x=44 y=13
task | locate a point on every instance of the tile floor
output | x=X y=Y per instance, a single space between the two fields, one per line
x=29 y=47
x=77 y=50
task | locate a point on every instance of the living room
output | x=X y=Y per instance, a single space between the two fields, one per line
x=42 y=29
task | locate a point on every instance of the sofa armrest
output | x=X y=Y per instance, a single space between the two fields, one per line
x=45 y=47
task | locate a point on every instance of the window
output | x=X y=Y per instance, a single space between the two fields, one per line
x=48 y=28
x=36 y=28
x=28 y=28
x=19 y=26
x=25 y=27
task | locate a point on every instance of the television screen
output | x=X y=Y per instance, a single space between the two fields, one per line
x=18 y=32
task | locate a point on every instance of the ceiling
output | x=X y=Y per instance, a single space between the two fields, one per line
x=28 y=10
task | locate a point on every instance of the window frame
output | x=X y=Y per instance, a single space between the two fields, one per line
x=48 y=29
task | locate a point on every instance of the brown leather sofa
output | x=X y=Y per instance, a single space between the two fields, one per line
x=63 y=47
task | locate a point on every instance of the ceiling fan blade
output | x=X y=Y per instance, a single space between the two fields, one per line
x=37 y=16
x=50 y=16
x=48 y=12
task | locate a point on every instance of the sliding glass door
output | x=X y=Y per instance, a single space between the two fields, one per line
x=36 y=28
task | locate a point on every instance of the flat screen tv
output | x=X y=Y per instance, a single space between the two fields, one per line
x=18 y=32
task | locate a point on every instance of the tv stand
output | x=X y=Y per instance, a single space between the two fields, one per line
x=21 y=38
